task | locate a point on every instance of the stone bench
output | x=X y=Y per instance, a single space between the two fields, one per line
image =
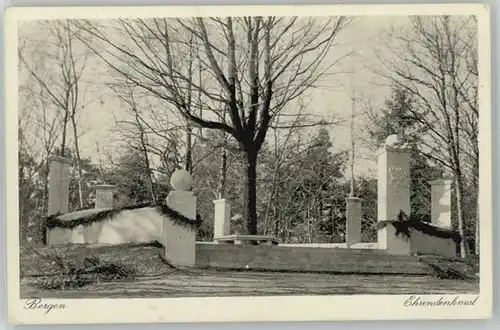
x=248 y=239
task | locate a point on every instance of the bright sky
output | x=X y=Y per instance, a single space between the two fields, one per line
x=362 y=36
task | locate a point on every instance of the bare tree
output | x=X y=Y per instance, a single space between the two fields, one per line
x=254 y=67
x=470 y=123
x=29 y=165
x=221 y=187
x=138 y=122
x=37 y=122
x=39 y=131
x=149 y=132
x=430 y=62
x=61 y=84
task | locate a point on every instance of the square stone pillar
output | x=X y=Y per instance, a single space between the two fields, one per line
x=353 y=221
x=104 y=196
x=441 y=203
x=58 y=185
x=393 y=192
x=222 y=217
x=180 y=240
x=58 y=198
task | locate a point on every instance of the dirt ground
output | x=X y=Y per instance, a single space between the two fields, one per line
x=224 y=283
x=155 y=279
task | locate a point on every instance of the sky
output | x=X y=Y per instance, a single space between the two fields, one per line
x=362 y=37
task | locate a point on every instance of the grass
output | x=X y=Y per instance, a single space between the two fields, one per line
x=145 y=275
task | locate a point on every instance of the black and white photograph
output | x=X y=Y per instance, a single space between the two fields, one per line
x=260 y=152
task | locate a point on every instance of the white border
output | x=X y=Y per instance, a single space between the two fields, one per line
x=304 y=308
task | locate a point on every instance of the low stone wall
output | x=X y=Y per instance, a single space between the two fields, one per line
x=426 y=244
x=133 y=226
x=59 y=236
x=142 y=225
x=418 y=243
x=372 y=245
x=287 y=258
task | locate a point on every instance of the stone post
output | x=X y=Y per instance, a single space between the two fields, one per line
x=58 y=185
x=353 y=221
x=180 y=240
x=393 y=192
x=222 y=218
x=441 y=203
x=104 y=196
x=58 y=198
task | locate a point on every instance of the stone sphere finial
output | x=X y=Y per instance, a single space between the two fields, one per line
x=392 y=140
x=181 y=180
x=447 y=176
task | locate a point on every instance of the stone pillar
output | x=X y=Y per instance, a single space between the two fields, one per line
x=441 y=203
x=104 y=196
x=393 y=192
x=222 y=218
x=353 y=221
x=180 y=240
x=58 y=198
x=58 y=185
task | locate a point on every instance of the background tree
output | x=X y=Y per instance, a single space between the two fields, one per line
x=395 y=118
x=92 y=175
x=31 y=194
x=39 y=132
x=366 y=188
x=321 y=172
x=131 y=174
x=305 y=192
x=255 y=67
x=62 y=86
x=431 y=61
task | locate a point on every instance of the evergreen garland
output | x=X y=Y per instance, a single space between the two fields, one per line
x=177 y=218
x=404 y=224
x=54 y=221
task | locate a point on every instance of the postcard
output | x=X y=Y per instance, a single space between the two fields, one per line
x=248 y=163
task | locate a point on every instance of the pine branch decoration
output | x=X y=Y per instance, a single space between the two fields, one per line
x=54 y=221
x=404 y=224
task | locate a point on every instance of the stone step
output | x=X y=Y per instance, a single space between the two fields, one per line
x=335 y=260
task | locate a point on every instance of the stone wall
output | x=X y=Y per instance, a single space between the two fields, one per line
x=420 y=243
x=129 y=226
x=140 y=225
x=132 y=226
x=59 y=236
x=281 y=258
x=394 y=179
x=427 y=244
x=147 y=225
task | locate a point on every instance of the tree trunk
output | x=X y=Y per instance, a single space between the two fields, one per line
x=276 y=224
x=476 y=243
x=45 y=196
x=476 y=187
x=270 y=200
x=149 y=174
x=188 y=162
x=78 y=165
x=221 y=187
x=63 y=143
x=142 y=137
x=461 y=231
x=250 y=192
x=309 y=228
